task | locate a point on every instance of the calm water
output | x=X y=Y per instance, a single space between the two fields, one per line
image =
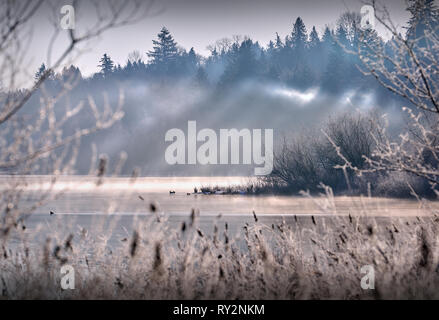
x=81 y=195
x=118 y=205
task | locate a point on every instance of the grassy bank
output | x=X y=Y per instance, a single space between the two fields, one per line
x=306 y=257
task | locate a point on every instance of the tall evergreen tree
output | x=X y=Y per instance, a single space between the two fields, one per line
x=242 y=63
x=42 y=72
x=314 y=40
x=165 y=51
x=337 y=72
x=278 y=44
x=106 y=65
x=191 y=61
x=298 y=37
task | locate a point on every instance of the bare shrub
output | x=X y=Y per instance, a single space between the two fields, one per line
x=306 y=161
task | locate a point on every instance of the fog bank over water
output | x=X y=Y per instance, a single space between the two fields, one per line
x=151 y=110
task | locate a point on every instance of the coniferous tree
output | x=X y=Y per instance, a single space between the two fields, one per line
x=336 y=74
x=191 y=61
x=242 y=63
x=278 y=44
x=298 y=37
x=164 y=53
x=314 y=40
x=71 y=74
x=42 y=72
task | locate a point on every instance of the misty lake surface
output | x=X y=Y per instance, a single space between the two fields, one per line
x=89 y=195
x=117 y=204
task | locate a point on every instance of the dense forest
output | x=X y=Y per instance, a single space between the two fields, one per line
x=301 y=60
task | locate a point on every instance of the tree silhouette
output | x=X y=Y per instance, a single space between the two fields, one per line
x=106 y=65
x=165 y=52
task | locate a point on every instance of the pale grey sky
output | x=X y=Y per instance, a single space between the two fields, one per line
x=198 y=23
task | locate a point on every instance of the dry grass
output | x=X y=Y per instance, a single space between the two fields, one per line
x=308 y=257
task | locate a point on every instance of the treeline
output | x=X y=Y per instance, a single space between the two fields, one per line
x=302 y=60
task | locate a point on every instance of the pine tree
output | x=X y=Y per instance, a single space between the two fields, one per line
x=314 y=40
x=106 y=65
x=71 y=74
x=337 y=71
x=424 y=18
x=278 y=45
x=165 y=49
x=191 y=61
x=242 y=63
x=42 y=70
x=327 y=38
x=299 y=36
x=270 y=46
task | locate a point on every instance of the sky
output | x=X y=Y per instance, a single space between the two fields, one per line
x=193 y=23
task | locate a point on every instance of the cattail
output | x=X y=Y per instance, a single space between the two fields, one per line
x=157 y=256
x=134 y=243
x=46 y=253
x=313 y=220
x=200 y=233
x=152 y=207
x=102 y=166
x=134 y=175
x=254 y=216
x=141 y=198
x=183 y=227
x=221 y=272
x=192 y=217
x=425 y=249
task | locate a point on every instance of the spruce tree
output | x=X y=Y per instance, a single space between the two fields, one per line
x=165 y=50
x=41 y=71
x=314 y=40
x=299 y=36
x=106 y=65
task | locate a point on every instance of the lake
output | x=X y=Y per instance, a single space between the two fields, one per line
x=115 y=207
